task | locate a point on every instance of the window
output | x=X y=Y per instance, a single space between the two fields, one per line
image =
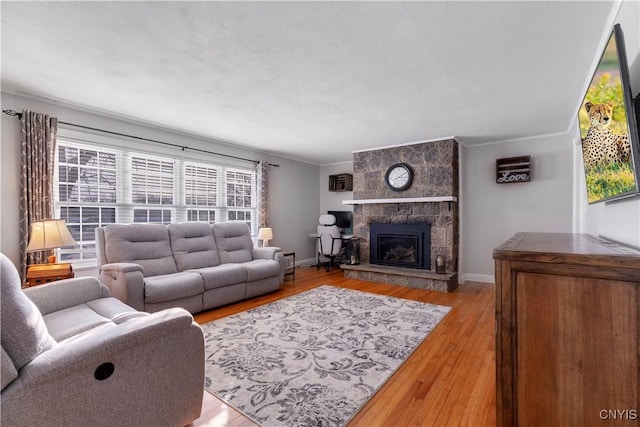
x=201 y=185
x=240 y=191
x=199 y=215
x=86 y=195
x=151 y=181
x=86 y=175
x=152 y=216
x=96 y=186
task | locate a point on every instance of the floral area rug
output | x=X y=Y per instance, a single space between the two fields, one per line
x=315 y=358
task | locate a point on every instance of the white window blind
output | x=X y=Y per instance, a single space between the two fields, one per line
x=97 y=185
x=240 y=195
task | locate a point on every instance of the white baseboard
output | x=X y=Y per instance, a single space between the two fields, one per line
x=303 y=262
x=472 y=277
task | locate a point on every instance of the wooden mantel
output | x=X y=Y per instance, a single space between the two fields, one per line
x=402 y=200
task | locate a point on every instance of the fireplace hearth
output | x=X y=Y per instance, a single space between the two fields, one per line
x=401 y=245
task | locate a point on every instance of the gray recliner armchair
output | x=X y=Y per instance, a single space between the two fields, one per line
x=72 y=355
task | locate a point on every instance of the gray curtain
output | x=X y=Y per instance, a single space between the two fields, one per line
x=262 y=173
x=36 y=179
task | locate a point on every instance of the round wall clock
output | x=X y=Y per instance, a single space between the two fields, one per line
x=399 y=176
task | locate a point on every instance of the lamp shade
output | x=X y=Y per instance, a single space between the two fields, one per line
x=265 y=234
x=49 y=234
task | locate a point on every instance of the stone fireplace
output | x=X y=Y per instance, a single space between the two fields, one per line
x=432 y=199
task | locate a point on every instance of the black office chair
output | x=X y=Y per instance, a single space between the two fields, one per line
x=329 y=239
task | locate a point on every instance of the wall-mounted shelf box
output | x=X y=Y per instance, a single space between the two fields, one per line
x=513 y=169
x=341 y=182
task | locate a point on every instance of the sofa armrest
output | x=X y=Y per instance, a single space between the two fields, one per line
x=265 y=253
x=124 y=267
x=125 y=281
x=271 y=252
x=56 y=296
x=157 y=360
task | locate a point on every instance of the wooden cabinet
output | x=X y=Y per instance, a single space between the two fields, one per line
x=567 y=326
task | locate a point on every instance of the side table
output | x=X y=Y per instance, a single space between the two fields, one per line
x=38 y=274
x=290 y=269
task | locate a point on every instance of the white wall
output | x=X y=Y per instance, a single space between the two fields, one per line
x=294 y=193
x=619 y=220
x=294 y=205
x=332 y=200
x=491 y=212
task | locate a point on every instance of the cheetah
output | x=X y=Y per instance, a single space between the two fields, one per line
x=624 y=148
x=601 y=146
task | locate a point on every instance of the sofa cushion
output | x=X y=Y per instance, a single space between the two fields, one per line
x=23 y=331
x=72 y=321
x=223 y=275
x=234 y=241
x=145 y=244
x=9 y=372
x=171 y=287
x=224 y=295
x=50 y=297
x=261 y=269
x=193 y=245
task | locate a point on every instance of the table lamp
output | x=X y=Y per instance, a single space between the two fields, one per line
x=49 y=234
x=265 y=234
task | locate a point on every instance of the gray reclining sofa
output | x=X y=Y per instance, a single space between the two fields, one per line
x=195 y=266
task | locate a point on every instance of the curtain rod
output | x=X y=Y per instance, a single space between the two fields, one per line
x=182 y=147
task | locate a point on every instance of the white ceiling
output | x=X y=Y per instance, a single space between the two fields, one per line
x=312 y=81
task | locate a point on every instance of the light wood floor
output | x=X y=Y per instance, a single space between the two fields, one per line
x=448 y=381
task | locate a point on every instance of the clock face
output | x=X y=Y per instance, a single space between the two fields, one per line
x=399 y=177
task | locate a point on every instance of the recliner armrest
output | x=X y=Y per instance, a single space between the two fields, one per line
x=125 y=281
x=265 y=253
x=271 y=252
x=66 y=293
x=121 y=267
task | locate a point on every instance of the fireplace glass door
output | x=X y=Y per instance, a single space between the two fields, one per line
x=401 y=245
x=399 y=250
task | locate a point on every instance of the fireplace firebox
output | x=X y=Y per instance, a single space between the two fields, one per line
x=401 y=245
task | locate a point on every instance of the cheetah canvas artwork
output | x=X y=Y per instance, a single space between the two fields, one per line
x=608 y=129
